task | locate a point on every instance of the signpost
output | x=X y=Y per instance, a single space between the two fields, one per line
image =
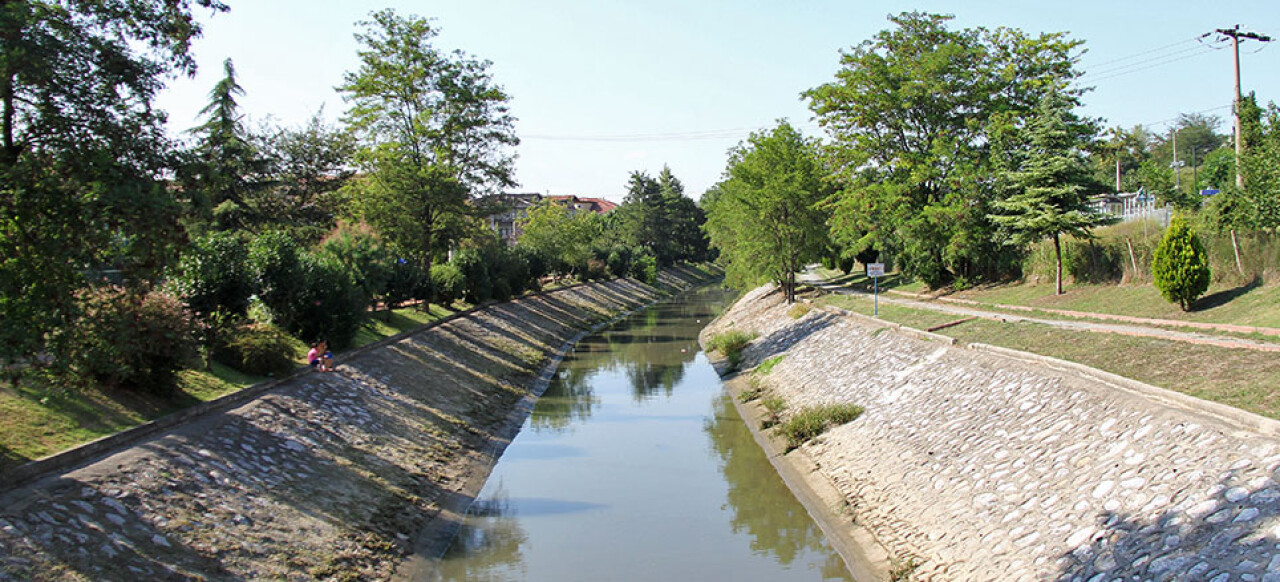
x=875 y=271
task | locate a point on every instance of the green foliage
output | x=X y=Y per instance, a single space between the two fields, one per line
x=330 y=305
x=767 y=366
x=478 y=285
x=131 y=341
x=1261 y=204
x=766 y=222
x=799 y=310
x=644 y=267
x=275 y=261
x=561 y=235
x=731 y=343
x=658 y=217
x=260 y=349
x=810 y=422
x=1180 y=266
x=213 y=275
x=1051 y=186
x=365 y=256
x=920 y=117
x=448 y=282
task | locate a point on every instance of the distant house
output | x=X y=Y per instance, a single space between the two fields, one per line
x=510 y=209
x=1130 y=206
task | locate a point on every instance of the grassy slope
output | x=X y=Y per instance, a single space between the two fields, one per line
x=37 y=420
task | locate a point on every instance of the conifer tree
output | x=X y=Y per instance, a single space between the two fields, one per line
x=1180 y=265
x=1052 y=186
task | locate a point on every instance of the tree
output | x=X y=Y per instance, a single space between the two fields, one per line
x=657 y=216
x=1052 y=185
x=766 y=221
x=911 y=115
x=308 y=166
x=1180 y=265
x=82 y=151
x=433 y=130
x=561 y=236
x=226 y=166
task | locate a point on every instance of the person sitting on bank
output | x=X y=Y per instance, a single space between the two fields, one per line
x=320 y=357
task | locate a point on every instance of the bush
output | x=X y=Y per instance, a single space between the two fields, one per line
x=330 y=305
x=448 y=283
x=365 y=256
x=1180 y=266
x=595 y=270
x=405 y=281
x=276 y=264
x=731 y=344
x=477 y=287
x=261 y=349
x=811 y=422
x=213 y=275
x=644 y=267
x=129 y=340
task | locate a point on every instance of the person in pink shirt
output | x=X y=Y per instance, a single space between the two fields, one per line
x=320 y=357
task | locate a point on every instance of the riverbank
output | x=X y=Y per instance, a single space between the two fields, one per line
x=324 y=475
x=977 y=464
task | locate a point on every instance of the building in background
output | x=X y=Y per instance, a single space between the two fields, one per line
x=510 y=209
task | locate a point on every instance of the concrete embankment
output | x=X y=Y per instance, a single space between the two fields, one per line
x=323 y=475
x=972 y=463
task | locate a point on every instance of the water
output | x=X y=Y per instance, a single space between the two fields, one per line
x=635 y=466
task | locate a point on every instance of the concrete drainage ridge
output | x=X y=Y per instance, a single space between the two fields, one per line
x=317 y=476
x=990 y=464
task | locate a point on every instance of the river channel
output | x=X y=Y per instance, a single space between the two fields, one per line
x=634 y=465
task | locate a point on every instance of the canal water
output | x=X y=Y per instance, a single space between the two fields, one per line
x=634 y=465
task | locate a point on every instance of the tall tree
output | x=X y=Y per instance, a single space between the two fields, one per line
x=766 y=220
x=656 y=215
x=433 y=128
x=309 y=165
x=910 y=115
x=1052 y=186
x=82 y=151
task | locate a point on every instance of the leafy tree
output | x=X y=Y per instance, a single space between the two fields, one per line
x=912 y=115
x=1259 y=165
x=657 y=216
x=433 y=128
x=1052 y=185
x=213 y=275
x=562 y=236
x=766 y=222
x=309 y=165
x=1180 y=265
x=82 y=150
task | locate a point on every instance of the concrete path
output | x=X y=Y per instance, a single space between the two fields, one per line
x=1133 y=329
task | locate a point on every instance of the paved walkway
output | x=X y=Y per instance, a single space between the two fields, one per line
x=1134 y=329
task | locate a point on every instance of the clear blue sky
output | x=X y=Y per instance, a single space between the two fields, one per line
x=602 y=88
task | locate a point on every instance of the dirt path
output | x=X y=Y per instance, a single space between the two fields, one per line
x=1133 y=327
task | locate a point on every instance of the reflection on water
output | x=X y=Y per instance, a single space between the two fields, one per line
x=635 y=466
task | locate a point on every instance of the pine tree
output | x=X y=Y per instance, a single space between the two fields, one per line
x=1181 y=266
x=1051 y=187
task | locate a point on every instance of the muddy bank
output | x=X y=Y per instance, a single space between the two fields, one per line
x=972 y=463
x=324 y=476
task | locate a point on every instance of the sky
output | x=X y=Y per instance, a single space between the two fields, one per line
x=603 y=88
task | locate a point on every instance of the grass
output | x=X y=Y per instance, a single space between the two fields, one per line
x=767 y=366
x=810 y=422
x=773 y=405
x=731 y=343
x=799 y=310
x=38 y=419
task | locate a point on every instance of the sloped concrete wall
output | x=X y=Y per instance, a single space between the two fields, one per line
x=321 y=476
x=975 y=465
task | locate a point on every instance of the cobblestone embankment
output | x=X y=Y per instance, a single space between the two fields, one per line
x=325 y=476
x=970 y=464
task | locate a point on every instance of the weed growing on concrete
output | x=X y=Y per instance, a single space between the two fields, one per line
x=731 y=344
x=767 y=366
x=754 y=392
x=813 y=421
x=774 y=405
x=799 y=310
x=900 y=570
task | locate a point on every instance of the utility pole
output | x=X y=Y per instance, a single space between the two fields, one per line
x=1236 y=34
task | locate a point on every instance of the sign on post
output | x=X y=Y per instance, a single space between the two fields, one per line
x=875 y=271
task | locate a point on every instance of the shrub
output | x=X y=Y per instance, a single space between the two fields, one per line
x=477 y=287
x=129 y=340
x=1180 y=267
x=330 y=305
x=448 y=283
x=213 y=275
x=767 y=366
x=644 y=267
x=276 y=264
x=258 y=348
x=731 y=344
x=773 y=405
x=362 y=253
x=813 y=421
x=404 y=282
x=619 y=260
x=595 y=270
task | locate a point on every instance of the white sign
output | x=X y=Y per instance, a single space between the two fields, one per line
x=875 y=270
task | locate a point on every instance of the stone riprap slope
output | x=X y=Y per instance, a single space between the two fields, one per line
x=971 y=465
x=327 y=476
